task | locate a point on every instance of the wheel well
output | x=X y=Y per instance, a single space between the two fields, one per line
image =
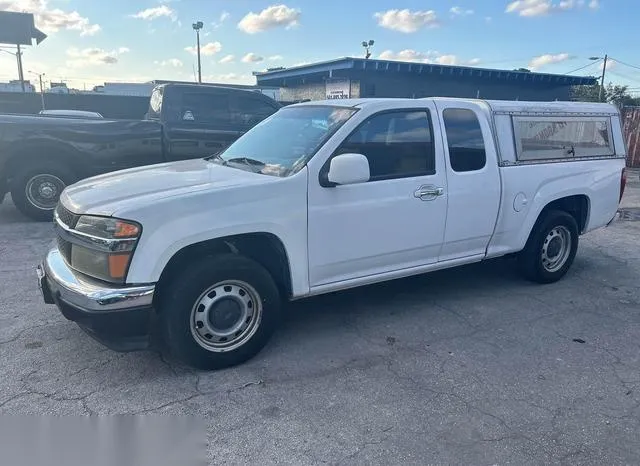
x=577 y=206
x=264 y=248
x=31 y=156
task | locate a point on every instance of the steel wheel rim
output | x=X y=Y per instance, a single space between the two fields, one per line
x=556 y=248
x=226 y=316
x=43 y=191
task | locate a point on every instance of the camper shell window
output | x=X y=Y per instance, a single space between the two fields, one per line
x=540 y=138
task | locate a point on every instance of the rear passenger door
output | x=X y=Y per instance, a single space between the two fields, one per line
x=473 y=180
x=198 y=125
x=393 y=222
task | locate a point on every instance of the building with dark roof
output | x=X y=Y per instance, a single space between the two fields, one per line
x=358 y=77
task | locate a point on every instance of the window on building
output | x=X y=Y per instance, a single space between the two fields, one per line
x=562 y=137
x=207 y=108
x=397 y=144
x=464 y=139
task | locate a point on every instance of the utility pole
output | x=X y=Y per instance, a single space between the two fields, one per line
x=40 y=75
x=196 y=27
x=604 y=70
x=20 y=72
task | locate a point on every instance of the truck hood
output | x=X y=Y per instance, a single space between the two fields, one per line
x=103 y=194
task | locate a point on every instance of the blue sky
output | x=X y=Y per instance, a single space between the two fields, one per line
x=135 y=40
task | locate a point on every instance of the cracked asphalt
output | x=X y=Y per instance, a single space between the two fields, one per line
x=466 y=366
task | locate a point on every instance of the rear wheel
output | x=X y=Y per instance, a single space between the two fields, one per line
x=551 y=248
x=221 y=312
x=36 y=189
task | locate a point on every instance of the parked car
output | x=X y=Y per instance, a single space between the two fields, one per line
x=325 y=196
x=71 y=114
x=40 y=156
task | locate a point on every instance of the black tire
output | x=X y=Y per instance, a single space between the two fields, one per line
x=178 y=302
x=32 y=176
x=534 y=259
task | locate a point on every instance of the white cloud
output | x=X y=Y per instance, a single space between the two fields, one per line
x=547 y=59
x=79 y=58
x=155 y=13
x=51 y=20
x=545 y=7
x=407 y=21
x=459 y=11
x=171 y=62
x=210 y=48
x=429 y=57
x=252 y=58
x=271 y=17
x=227 y=59
x=221 y=20
x=276 y=58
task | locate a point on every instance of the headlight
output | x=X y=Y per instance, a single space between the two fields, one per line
x=102 y=247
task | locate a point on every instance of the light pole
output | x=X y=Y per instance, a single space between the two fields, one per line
x=196 y=27
x=18 y=56
x=40 y=75
x=367 y=46
x=604 y=70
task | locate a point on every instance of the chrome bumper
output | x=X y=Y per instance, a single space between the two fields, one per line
x=59 y=281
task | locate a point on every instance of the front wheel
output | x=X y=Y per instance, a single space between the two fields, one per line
x=220 y=312
x=36 y=190
x=551 y=248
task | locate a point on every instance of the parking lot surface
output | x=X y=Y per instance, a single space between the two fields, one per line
x=466 y=366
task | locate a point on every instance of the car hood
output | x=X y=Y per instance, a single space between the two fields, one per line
x=103 y=194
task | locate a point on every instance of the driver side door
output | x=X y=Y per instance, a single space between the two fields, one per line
x=394 y=221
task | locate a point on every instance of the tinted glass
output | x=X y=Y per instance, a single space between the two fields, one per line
x=249 y=109
x=464 y=138
x=283 y=143
x=205 y=108
x=397 y=144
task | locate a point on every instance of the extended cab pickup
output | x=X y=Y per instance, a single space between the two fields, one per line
x=40 y=155
x=325 y=196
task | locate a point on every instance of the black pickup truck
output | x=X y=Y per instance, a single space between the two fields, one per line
x=40 y=155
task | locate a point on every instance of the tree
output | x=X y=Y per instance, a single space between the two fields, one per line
x=613 y=93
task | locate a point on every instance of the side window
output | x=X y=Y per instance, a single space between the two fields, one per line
x=464 y=138
x=210 y=108
x=249 y=109
x=397 y=144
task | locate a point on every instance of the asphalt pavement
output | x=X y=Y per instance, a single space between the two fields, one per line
x=466 y=366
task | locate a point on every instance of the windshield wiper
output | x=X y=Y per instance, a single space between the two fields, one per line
x=249 y=162
x=217 y=158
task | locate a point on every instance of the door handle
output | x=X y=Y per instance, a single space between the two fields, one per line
x=428 y=192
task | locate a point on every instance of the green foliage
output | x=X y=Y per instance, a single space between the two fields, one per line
x=613 y=93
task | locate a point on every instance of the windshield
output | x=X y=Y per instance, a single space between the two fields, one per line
x=284 y=142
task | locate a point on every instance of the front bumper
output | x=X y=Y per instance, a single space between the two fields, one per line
x=118 y=317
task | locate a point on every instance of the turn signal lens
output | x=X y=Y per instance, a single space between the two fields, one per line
x=125 y=230
x=118 y=264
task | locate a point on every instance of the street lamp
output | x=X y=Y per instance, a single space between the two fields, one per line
x=18 y=56
x=367 y=46
x=196 y=27
x=604 y=70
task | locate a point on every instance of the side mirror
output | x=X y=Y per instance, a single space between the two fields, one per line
x=348 y=169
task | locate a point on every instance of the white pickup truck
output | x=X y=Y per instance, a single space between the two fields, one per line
x=324 y=196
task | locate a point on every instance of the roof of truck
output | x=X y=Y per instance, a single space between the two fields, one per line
x=507 y=106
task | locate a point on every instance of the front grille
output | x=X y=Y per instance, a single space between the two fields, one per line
x=64 y=247
x=66 y=216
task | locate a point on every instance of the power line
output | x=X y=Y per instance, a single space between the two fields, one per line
x=626 y=64
x=583 y=67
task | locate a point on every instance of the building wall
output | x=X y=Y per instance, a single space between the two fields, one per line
x=414 y=86
x=110 y=106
